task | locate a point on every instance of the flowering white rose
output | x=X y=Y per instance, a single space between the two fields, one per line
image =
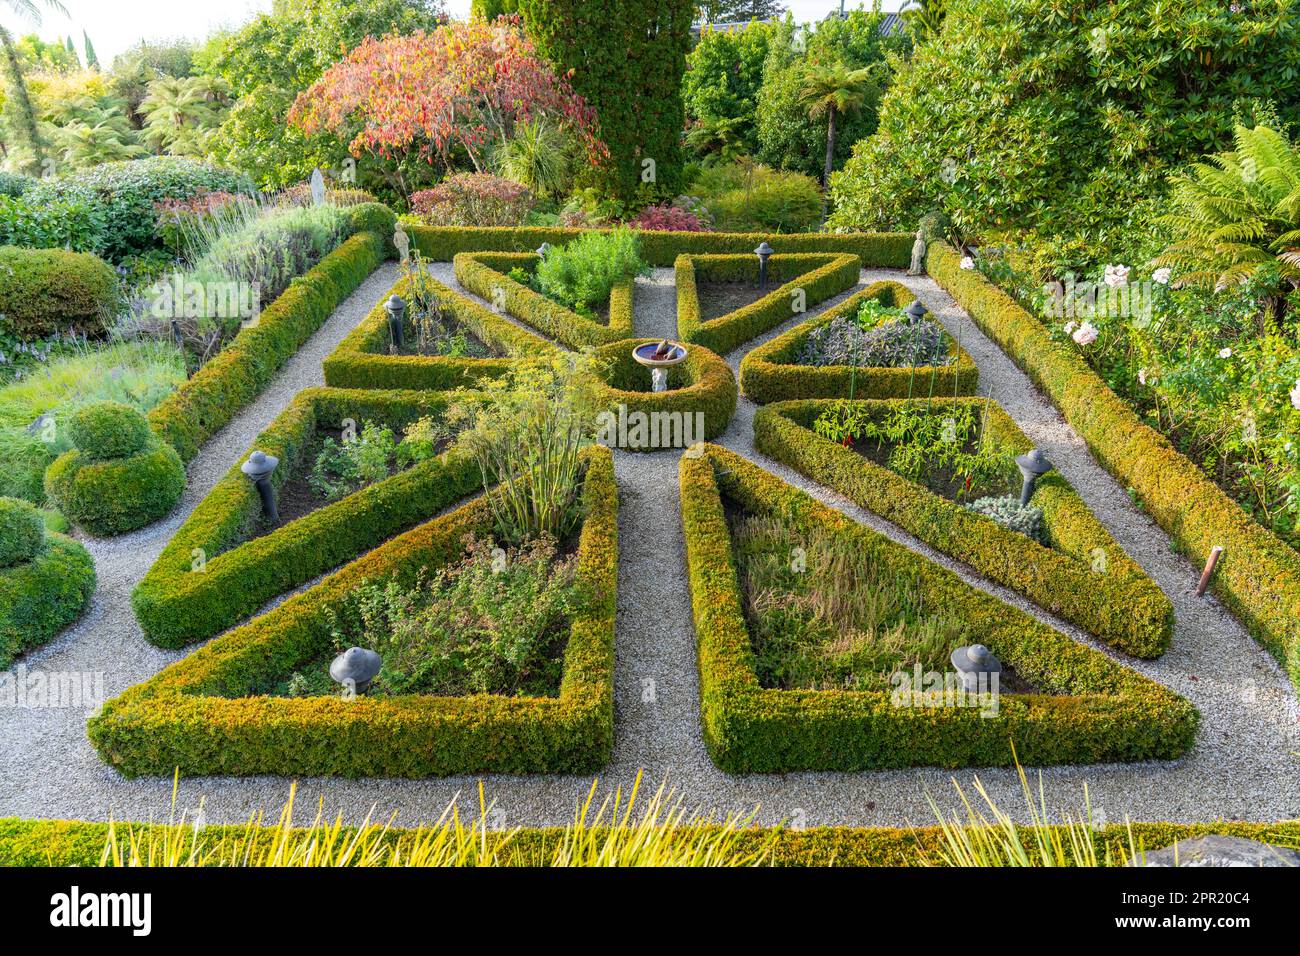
x=1225 y=353
x=1295 y=396
x=1070 y=327
x=1142 y=376
x=1162 y=276
x=1116 y=276
x=967 y=262
x=1086 y=334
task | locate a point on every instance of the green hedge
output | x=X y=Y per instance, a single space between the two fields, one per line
x=1258 y=575
x=1103 y=712
x=42 y=596
x=32 y=843
x=883 y=250
x=115 y=495
x=486 y=273
x=362 y=360
x=44 y=291
x=1121 y=606
x=819 y=275
x=203 y=714
x=239 y=372
x=703 y=383
x=214 y=573
x=769 y=374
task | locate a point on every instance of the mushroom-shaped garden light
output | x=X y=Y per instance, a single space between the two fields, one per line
x=763 y=251
x=1032 y=464
x=258 y=470
x=973 y=661
x=396 y=309
x=355 y=668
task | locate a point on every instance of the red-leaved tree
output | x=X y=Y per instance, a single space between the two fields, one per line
x=466 y=83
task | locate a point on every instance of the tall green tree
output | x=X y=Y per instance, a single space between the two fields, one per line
x=627 y=58
x=740 y=11
x=92 y=61
x=722 y=82
x=17 y=83
x=833 y=91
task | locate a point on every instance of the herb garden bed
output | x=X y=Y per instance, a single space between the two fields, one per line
x=1096 y=711
x=206 y=715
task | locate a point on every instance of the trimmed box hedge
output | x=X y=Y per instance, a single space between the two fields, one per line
x=213 y=573
x=33 y=843
x=203 y=714
x=879 y=250
x=1258 y=575
x=47 y=291
x=43 y=594
x=819 y=276
x=1121 y=606
x=702 y=383
x=486 y=275
x=238 y=373
x=362 y=360
x=769 y=373
x=1105 y=711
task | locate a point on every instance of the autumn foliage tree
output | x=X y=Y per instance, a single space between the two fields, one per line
x=461 y=88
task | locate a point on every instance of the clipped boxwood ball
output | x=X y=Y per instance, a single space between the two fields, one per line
x=120 y=494
x=109 y=430
x=40 y=597
x=22 y=531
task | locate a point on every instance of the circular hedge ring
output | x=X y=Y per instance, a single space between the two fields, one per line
x=633 y=418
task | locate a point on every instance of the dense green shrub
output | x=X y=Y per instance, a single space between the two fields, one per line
x=124 y=478
x=108 y=430
x=123 y=195
x=14 y=184
x=41 y=596
x=627 y=61
x=22 y=531
x=725 y=71
x=583 y=273
x=1064 y=119
x=44 y=291
x=49 y=225
x=473 y=199
x=749 y=198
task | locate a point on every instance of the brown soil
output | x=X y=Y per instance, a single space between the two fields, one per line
x=721 y=298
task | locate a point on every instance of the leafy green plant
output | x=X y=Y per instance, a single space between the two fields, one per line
x=492 y=623
x=350 y=465
x=1009 y=513
x=581 y=274
x=744 y=196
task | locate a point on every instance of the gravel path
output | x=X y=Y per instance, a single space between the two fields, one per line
x=1243 y=767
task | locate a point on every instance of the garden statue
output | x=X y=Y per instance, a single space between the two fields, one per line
x=317 y=187
x=918 y=256
x=403 y=243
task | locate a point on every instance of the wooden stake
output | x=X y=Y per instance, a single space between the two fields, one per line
x=1209 y=570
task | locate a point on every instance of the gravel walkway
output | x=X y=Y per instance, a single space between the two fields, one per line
x=1245 y=764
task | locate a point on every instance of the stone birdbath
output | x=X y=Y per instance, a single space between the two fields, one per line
x=659 y=357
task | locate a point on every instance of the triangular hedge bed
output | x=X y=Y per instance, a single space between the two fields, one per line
x=214 y=572
x=486 y=274
x=1085 y=577
x=363 y=359
x=817 y=276
x=1098 y=711
x=208 y=713
x=769 y=373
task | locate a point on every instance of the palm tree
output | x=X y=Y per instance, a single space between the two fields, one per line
x=179 y=112
x=834 y=91
x=26 y=9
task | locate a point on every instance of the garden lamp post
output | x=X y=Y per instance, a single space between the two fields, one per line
x=1032 y=465
x=355 y=668
x=972 y=662
x=763 y=251
x=916 y=311
x=258 y=469
x=396 y=309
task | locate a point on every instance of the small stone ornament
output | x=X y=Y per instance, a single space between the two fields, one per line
x=317 y=187
x=973 y=661
x=918 y=256
x=355 y=668
x=403 y=244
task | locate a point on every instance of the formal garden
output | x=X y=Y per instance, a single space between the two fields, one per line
x=873 y=441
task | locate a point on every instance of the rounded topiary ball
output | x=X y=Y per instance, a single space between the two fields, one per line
x=22 y=531
x=108 y=430
x=108 y=496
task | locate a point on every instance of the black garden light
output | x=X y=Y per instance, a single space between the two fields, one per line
x=916 y=311
x=1032 y=465
x=355 y=668
x=763 y=251
x=396 y=309
x=258 y=469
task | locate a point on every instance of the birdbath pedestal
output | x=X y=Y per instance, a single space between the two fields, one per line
x=658 y=359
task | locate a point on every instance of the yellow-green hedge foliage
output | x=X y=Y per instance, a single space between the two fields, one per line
x=1104 y=712
x=818 y=276
x=213 y=573
x=485 y=274
x=1258 y=576
x=769 y=373
x=361 y=360
x=1121 y=605
x=202 y=716
x=42 y=595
